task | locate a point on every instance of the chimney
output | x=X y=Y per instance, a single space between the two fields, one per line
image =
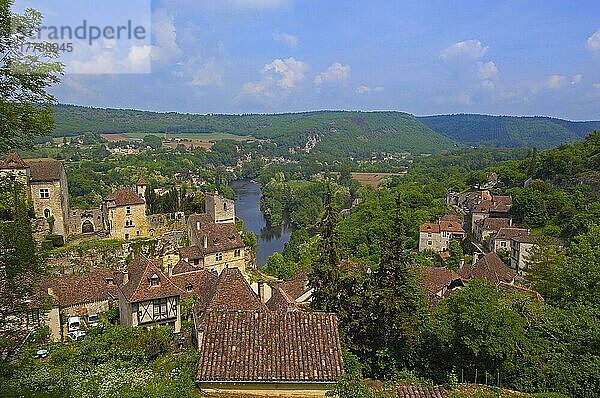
x=125 y=277
x=261 y=291
x=50 y=292
x=475 y=257
x=510 y=222
x=205 y=241
x=197 y=224
x=462 y=263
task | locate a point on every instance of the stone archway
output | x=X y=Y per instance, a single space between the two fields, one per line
x=87 y=227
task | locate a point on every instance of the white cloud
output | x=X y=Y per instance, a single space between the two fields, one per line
x=283 y=73
x=208 y=75
x=336 y=73
x=593 y=42
x=368 y=90
x=138 y=59
x=576 y=79
x=135 y=59
x=286 y=72
x=473 y=49
x=487 y=70
x=596 y=86
x=556 y=81
x=165 y=35
x=286 y=38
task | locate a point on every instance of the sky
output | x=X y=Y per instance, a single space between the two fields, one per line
x=271 y=56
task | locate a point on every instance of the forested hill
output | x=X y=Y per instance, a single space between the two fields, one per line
x=332 y=132
x=509 y=131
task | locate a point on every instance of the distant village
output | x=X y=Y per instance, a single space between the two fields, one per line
x=238 y=319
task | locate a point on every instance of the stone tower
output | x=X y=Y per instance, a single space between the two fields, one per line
x=140 y=187
x=220 y=209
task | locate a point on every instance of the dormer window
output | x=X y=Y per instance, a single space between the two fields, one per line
x=154 y=280
x=109 y=281
x=128 y=210
x=188 y=287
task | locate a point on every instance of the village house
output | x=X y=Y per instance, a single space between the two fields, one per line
x=213 y=245
x=292 y=295
x=497 y=207
x=439 y=282
x=124 y=214
x=269 y=353
x=500 y=241
x=520 y=250
x=148 y=297
x=46 y=181
x=483 y=229
x=436 y=236
x=489 y=267
x=220 y=209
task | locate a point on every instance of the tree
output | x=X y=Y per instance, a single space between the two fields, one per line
x=25 y=106
x=456 y=255
x=326 y=274
x=399 y=302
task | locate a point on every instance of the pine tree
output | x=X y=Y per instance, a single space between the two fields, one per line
x=325 y=277
x=399 y=302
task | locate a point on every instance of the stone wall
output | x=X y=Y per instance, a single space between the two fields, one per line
x=56 y=204
x=85 y=221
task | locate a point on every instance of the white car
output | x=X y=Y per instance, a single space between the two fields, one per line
x=73 y=323
x=76 y=335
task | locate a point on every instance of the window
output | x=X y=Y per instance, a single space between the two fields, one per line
x=128 y=210
x=429 y=235
x=503 y=244
x=224 y=206
x=159 y=308
x=126 y=236
x=429 y=243
x=196 y=261
x=44 y=193
x=33 y=317
x=219 y=256
x=189 y=287
x=47 y=213
x=236 y=253
x=154 y=280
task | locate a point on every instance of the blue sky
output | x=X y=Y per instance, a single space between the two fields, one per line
x=238 y=56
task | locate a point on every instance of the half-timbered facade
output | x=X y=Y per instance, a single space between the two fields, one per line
x=148 y=297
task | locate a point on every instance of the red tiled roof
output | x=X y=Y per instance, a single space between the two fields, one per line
x=45 y=170
x=297 y=286
x=495 y=224
x=219 y=236
x=199 y=283
x=138 y=287
x=141 y=181
x=436 y=278
x=526 y=238
x=502 y=204
x=93 y=286
x=451 y=226
x=430 y=228
x=183 y=266
x=13 y=161
x=280 y=300
x=490 y=267
x=233 y=293
x=263 y=347
x=191 y=252
x=483 y=207
x=509 y=233
x=125 y=197
x=422 y=392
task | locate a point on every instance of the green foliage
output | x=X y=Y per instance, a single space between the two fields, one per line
x=456 y=255
x=250 y=239
x=25 y=106
x=57 y=240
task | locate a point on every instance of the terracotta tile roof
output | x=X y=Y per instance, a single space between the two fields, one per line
x=495 y=224
x=451 y=226
x=450 y=217
x=233 y=293
x=194 y=219
x=191 y=252
x=138 y=287
x=141 y=181
x=200 y=283
x=183 y=266
x=526 y=238
x=125 y=197
x=93 y=286
x=430 y=228
x=436 y=278
x=297 y=286
x=509 y=233
x=263 y=347
x=12 y=160
x=42 y=170
x=483 y=207
x=422 y=392
x=281 y=301
x=502 y=203
x=490 y=267
x=219 y=237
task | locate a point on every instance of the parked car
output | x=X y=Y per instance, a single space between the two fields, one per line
x=73 y=323
x=92 y=319
x=76 y=335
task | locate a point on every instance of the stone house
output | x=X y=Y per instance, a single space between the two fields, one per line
x=220 y=209
x=520 y=250
x=269 y=353
x=484 y=228
x=436 y=236
x=213 y=245
x=47 y=187
x=489 y=267
x=125 y=214
x=148 y=297
x=496 y=207
x=501 y=240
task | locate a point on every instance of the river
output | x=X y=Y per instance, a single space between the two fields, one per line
x=247 y=207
